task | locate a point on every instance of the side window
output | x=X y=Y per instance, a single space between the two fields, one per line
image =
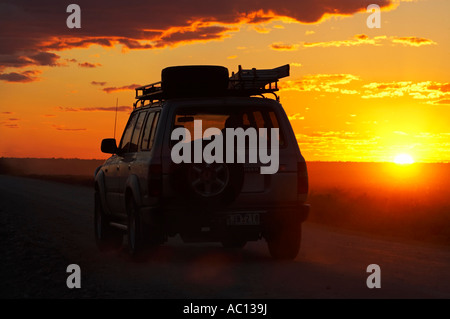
x=126 y=137
x=152 y=135
x=137 y=132
x=149 y=131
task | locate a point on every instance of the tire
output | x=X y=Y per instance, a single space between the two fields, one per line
x=106 y=237
x=207 y=185
x=284 y=243
x=134 y=229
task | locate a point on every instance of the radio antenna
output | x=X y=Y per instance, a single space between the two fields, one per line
x=115 y=119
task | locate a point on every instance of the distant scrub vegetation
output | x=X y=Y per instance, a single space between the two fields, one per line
x=409 y=202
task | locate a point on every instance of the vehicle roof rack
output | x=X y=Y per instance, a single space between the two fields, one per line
x=245 y=82
x=150 y=92
x=257 y=82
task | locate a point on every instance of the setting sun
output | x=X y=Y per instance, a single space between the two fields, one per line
x=403 y=159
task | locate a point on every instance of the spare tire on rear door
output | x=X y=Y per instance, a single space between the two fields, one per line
x=194 y=81
x=207 y=184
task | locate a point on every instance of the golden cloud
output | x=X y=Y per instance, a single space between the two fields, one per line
x=413 y=41
x=357 y=40
x=296 y=116
x=320 y=83
x=420 y=90
x=363 y=39
x=279 y=46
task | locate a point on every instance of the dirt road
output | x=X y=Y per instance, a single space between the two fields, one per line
x=46 y=226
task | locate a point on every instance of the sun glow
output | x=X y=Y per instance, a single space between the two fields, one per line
x=403 y=159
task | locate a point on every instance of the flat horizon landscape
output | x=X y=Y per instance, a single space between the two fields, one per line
x=408 y=202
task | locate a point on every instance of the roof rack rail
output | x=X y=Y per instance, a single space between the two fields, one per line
x=150 y=92
x=257 y=82
x=248 y=82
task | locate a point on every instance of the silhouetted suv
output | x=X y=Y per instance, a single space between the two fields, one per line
x=206 y=156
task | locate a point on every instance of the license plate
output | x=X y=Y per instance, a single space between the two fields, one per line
x=243 y=219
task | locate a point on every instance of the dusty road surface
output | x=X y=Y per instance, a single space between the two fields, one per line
x=46 y=226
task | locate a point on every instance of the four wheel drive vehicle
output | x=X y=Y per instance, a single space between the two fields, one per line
x=143 y=191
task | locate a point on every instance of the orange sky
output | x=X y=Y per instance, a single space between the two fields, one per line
x=354 y=94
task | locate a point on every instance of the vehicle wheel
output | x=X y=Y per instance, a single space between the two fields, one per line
x=208 y=185
x=134 y=231
x=284 y=244
x=106 y=237
x=208 y=180
x=231 y=243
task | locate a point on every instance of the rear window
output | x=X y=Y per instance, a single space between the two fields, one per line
x=222 y=118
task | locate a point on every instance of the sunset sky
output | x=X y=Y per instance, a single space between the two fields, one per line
x=354 y=94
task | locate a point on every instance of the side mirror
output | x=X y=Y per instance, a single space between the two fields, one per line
x=109 y=146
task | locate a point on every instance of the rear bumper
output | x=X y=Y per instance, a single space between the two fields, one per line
x=212 y=225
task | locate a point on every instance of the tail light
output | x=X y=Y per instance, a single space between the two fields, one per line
x=155 y=180
x=302 y=178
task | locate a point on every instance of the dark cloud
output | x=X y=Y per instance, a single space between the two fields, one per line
x=23 y=77
x=11 y=125
x=89 y=65
x=98 y=83
x=134 y=44
x=7 y=112
x=361 y=36
x=44 y=58
x=10 y=122
x=121 y=88
x=63 y=128
x=40 y=58
x=30 y=29
x=201 y=34
x=122 y=108
x=69 y=43
x=13 y=61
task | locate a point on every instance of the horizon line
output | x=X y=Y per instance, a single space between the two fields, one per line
x=317 y=161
